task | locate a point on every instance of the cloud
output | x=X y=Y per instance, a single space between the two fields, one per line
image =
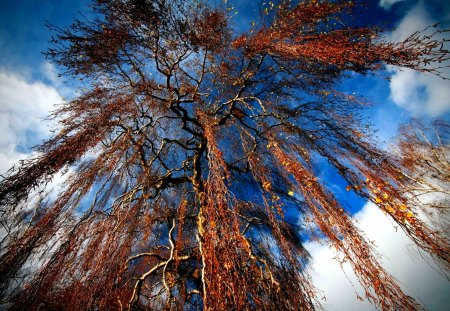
x=386 y=4
x=338 y=288
x=420 y=93
x=23 y=105
x=51 y=74
x=415 y=272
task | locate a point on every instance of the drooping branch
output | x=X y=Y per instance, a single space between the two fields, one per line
x=195 y=154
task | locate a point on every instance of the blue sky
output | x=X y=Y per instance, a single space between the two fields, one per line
x=30 y=88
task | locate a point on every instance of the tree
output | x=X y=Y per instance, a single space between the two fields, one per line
x=193 y=156
x=424 y=157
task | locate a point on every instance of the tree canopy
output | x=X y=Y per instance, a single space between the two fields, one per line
x=193 y=158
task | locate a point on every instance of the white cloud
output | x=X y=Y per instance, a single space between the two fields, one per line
x=416 y=273
x=419 y=93
x=23 y=105
x=51 y=73
x=337 y=290
x=386 y=4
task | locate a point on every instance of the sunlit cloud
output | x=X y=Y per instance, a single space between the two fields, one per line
x=422 y=94
x=416 y=273
x=23 y=106
x=386 y=4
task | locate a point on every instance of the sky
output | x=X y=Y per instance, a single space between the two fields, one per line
x=30 y=88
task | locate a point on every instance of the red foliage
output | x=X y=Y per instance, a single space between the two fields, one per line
x=189 y=150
